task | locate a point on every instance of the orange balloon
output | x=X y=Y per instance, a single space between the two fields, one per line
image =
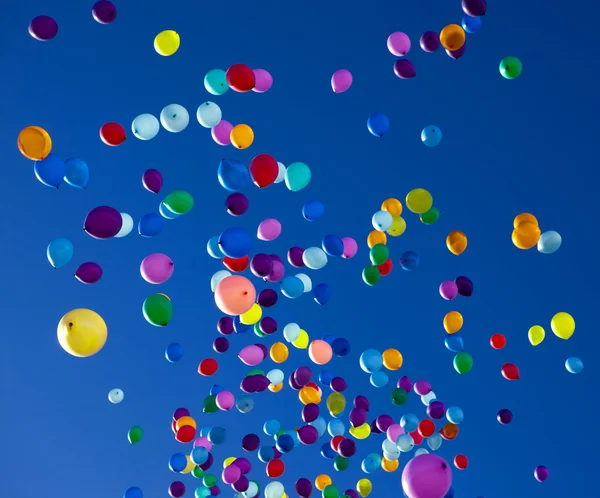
x=392 y=359
x=320 y=352
x=453 y=322
x=526 y=235
x=449 y=431
x=375 y=238
x=34 y=143
x=275 y=388
x=308 y=395
x=235 y=295
x=525 y=218
x=322 y=481
x=389 y=465
x=392 y=206
x=182 y=421
x=456 y=242
x=452 y=37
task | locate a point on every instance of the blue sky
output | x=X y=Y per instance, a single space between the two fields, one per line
x=508 y=147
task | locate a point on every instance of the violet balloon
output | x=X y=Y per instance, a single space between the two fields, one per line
x=152 y=180
x=177 y=489
x=307 y=434
x=422 y=387
x=405 y=383
x=310 y=412
x=221 y=345
x=103 y=222
x=383 y=422
x=242 y=484
x=268 y=325
x=338 y=385
x=474 y=8
x=277 y=271
x=448 y=290
x=43 y=28
x=261 y=265
x=436 y=410
x=294 y=257
x=357 y=417
x=426 y=476
x=269 y=229
x=264 y=80
x=398 y=44
x=157 y=268
x=236 y=204
x=430 y=41
x=350 y=247
x=244 y=465
x=464 y=286
x=341 y=80
x=303 y=487
x=541 y=473
x=104 y=12
x=267 y=298
x=361 y=401
x=404 y=69
x=302 y=375
x=457 y=54
x=347 y=448
x=89 y=273
x=231 y=474
x=225 y=325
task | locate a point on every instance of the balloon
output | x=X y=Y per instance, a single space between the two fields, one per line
x=448 y=290
x=241 y=136
x=281 y=173
x=235 y=295
x=422 y=387
x=297 y=176
x=526 y=235
x=454 y=414
x=208 y=367
x=333 y=245
x=34 y=143
x=150 y=225
x=88 y=273
x=464 y=286
x=430 y=217
x=549 y=242
x=303 y=487
x=454 y=343
x=541 y=473
x=264 y=170
x=135 y=434
x=371 y=275
x=43 y=28
x=113 y=134
x=378 y=124
x=322 y=294
x=398 y=226
x=474 y=8
x=429 y=41
x=452 y=37
x=103 y=222
x=215 y=82
x=59 y=252
x=510 y=371
x=166 y=213
x=236 y=204
x=252 y=316
x=179 y=202
x=176 y=489
x=379 y=254
x=269 y=230
x=382 y=221
x=350 y=247
x=174 y=118
x=511 y=67
x=217 y=278
x=152 y=180
x=371 y=361
x=376 y=237
x=221 y=133
x=274 y=490
x=115 y=396
x=158 y=310
x=463 y=362
x=392 y=359
x=461 y=462
x=456 y=242
x=563 y=325
x=341 y=80
x=167 y=42
x=292 y=287
x=398 y=44
x=157 y=268
x=314 y=258
x=240 y=78
x=536 y=335
x=426 y=476
x=320 y=352
x=233 y=175
x=404 y=69
x=498 y=341
x=453 y=322
x=50 y=171
x=419 y=201
x=104 y=12
x=177 y=462
x=457 y=54
x=209 y=114
x=235 y=242
x=471 y=24
x=76 y=173
x=133 y=493
x=364 y=487
x=263 y=80
x=574 y=365
x=294 y=257
x=431 y=136
x=505 y=416
x=145 y=126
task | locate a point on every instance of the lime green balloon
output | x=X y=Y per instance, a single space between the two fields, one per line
x=158 y=310
x=371 y=275
x=463 y=362
x=379 y=254
x=340 y=463
x=511 y=67
x=255 y=371
x=135 y=434
x=197 y=472
x=210 y=404
x=209 y=480
x=331 y=491
x=215 y=82
x=399 y=396
x=179 y=202
x=202 y=492
x=297 y=176
x=431 y=216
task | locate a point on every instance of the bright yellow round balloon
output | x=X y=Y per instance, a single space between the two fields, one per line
x=241 y=136
x=308 y=395
x=536 y=335
x=252 y=316
x=563 y=325
x=183 y=421
x=419 y=201
x=336 y=403
x=322 y=481
x=392 y=359
x=275 y=388
x=34 y=143
x=190 y=465
x=228 y=461
x=364 y=487
x=398 y=226
x=82 y=332
x=167 y=42
x=456 y=242
x=526 y=235
x=376 y=237
x=392 y=206
x=525 y=218
x=389 y=465
x=453 y=322
x=302 y=341
x=361 y=432
x=452 y=37
x=279 y=352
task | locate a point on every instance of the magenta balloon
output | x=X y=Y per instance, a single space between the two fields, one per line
x=405 y=383
x=225 y=325
x=361 y=401
x=303 y=375
x=307 y=434
x=350 y=247
x=303 y=487
x=222 y=132
x=152 y=180
x=221 y=345
x=398 y=44
x=43 y=28
x=177 y=489
x=293 y=384
x=244 y=465
x=457 y=54
x=269 y=229
x=103 y=222
x=474 y=8
x=180 y=412
x=347 y=448
x=357 y=417
x=104 y=12
x=404 y=69
x=251 y=355
x=236 y=204
x=430 y=41
x=267 y=325
x=310 y=413
x=422 y=387
x=294 y=257
x=436 y=410
x=448 y=290
x=383 y=422
x=242 y=484
x=231 y=474
x=338 y=385
x=426 y=476
x=341 y=80
x=89 y=273
x=264 y=80
x=267 y=298
x=261 y=265
x=277 y=272
x=157 y=268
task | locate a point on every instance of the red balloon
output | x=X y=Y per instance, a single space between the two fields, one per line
x=236 y=265
x=498 y=341
x=385 y=268
x=426 y=427
x=264 y=170
x=461 y=462
x=275 y=468
x=112 y=134
x=510 y=371
x=417 y=438
x=208 y=367
x=240 y=78
x=185 y=434
x=335 y=442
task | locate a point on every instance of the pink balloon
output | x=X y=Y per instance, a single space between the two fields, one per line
x=204 y=442
x=231 y=473
x=222 y=132
x=350 y=247
x=235 y=295
x=393 y=431
x=422 y=387
x=264 y=80
x=269 y=229
x=157 y=268
x=341 y=80
x=448 y=290
x=251 y=355
x=225 y=400
x=426 y=476
x=398 y=44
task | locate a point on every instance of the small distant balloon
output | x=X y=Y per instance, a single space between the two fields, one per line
x=431 y=136
x=341 y=80
x=174 y=118
x=34 y=143
x=103 y=222
x=145 y=127
x=215 y=82
x=511 y=67
x=50 y=171
x=263 y=81
x=474 y=8
x=77 y=173
x=452 y=37
x=167 y=42
x=549 y=242
x=457 y=54
x=60 y=252
x=241 y=136
x=115 y=396
x=112 y=134
x=152 y=180
x=574 y=365
x=150 y=225
x=398 y=44
x=104 y=12
x=429 y=41
x=43 y=28
x=209 y=114
x=240 y=78
x=471 y=24
x=541 y=473
x=404 y=69
x=126 y=227
x=88 y=273
x=378 y=124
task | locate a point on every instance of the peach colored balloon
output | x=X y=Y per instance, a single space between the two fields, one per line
x=235 y=295
x=320 y=352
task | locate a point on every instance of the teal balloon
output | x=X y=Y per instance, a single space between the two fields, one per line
x=435 y=441
x=202 y=492
x=297 y=176
x=292 y=287
x=50 y=171
x=371 y=463
x=455 y=415
x=59 y=252
x=574 y=365
x=215 y=82
x=454 y=343
x=166 y=213
x=77 y=173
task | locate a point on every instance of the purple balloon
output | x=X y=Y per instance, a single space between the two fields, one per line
x=267 y=298
x=241 y=485
x=541 y=473
x=303 y=487
x=383 y=422
x=448 y=290
x=152 y=180
x=294 y=257
x=426 y=475
x=244 y=465
x=505 y=416
x=263 y=383
x=225 y=325
x=430 y=41
x=404 y=69
x=457 y=54
x=436 y=410
x=464 y=286
x=208 y=464
x=350 y=493
x=338 y=384
x=374 y=428
x=277 y=272
x=347 y=448
x=278 y=453
x=89 y=273
x=221 y=344
x=302 y=375
x=180 y=412
x=307 y=434
x=231 y=474
x=236 y=204
x=43 y=28
x=103 y=222
x=474 y=8
x=264 y=350
x=357 y=417
x=215 y=491
x=250 y=442
x=405 y=383
x=250 y=384
x=310 y=412
x=104 y=12
x=261 y=265
x=176 y=489
x=267 y=325
x=422 y=387
x=293 y=384
x=361 y=402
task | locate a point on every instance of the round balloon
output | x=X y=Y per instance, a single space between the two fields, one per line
x=167 y=42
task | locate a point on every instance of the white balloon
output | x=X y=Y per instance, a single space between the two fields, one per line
x=274 y=490
x=126 y=227
x=391 y=449
x=382 y=221
x=174 y=118
x=405 y=443
x=281 y=173
x=435 y=441
x=421 y=451
x=209 y=114
x=549 y=242
x=275 y=376
x=115 y=396
x=217 y=277
x=314 y=258
x=428 y=398
x=306 y=281
x=145 y=127
x=291 y=332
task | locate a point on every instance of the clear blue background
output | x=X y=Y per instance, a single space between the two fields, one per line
x=508 y=147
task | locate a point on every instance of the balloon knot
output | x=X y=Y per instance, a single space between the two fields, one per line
x=70 y=324
x=444 y=466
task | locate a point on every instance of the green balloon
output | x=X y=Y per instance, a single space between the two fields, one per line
x=511 y=67
x=399 y=396
x=210 y=405
x=202 y=492
x=331 y=491
x=179 y=202
x=158 y=310
x=340 y=464
x=257 y=330
x=197 y=472
x=371 y=275
x=209 y=480
x=255 y=371
x=215 y=82
x=379 y=254
x=463 y=362
x=135 y=434
x=431 y=216
x=280 y=432
x=297 y=176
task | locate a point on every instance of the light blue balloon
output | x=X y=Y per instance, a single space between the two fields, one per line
x=213 y=248
x=454 y=343
x=77 y=173
x=421 y=451
x=50 y=171
x=336 y=427
x=177 y=462
x=215 y=82
x=216 y=435
x=233 y=175
x=166 y=213
x=174 y=118
x=405 y=443
x=209 y=114
x=390 y=449
x=297 y=176
x=133 y=493
x=150 y=225
x=266 y=454
x=371 y=361
x=314 y=258
x=59 y=252
x=292 y=287
x=275 y=377
x=434 y=441
x=455 y=415
x=174 y=352
x=313 y=210
x=244 y=403
x=409 y=422
x=145 y=126
x=549 y=242
x=431 y=136
x=271 y=427
x=574 y=365
x=199 y=455
x=370 y=463
x=202 y=492
x=320 y=425
x=379 y=379
x=471 y=24
x=382 y=221
x=205 y=430
x=378 y=124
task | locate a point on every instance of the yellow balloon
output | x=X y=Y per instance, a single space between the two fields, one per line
x=182 y=421
x=376 y=237
x=398 y=226
x=34 y=143
x=456 y=242
x=241 y=136
x=389 y=465
x=361 y=432
x=302 y=341
x=228 y=461
x=563 y=325
x=189 y=467
x=336 y=403
x=452 y=37
x=526 y=235
x=167 y=42
x=525 y=218
x=279 y=352
x=392 y=359
x=82 y=332
x=252 y=316
x=322 y=481
x=392 y=206
x=308 y=395
x=275 y=388
x=419 y=201
x=364 y=487
x=453 y=322
x=536 y=335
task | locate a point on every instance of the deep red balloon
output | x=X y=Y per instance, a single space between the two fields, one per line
x=208 y=367
x=275 y=468
x=264 y=170
x=510 y=371
x=236 y=265
x=186 y=434
x=240 y=78
x=112 y=134
x=461 y=462
x=385 y=268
